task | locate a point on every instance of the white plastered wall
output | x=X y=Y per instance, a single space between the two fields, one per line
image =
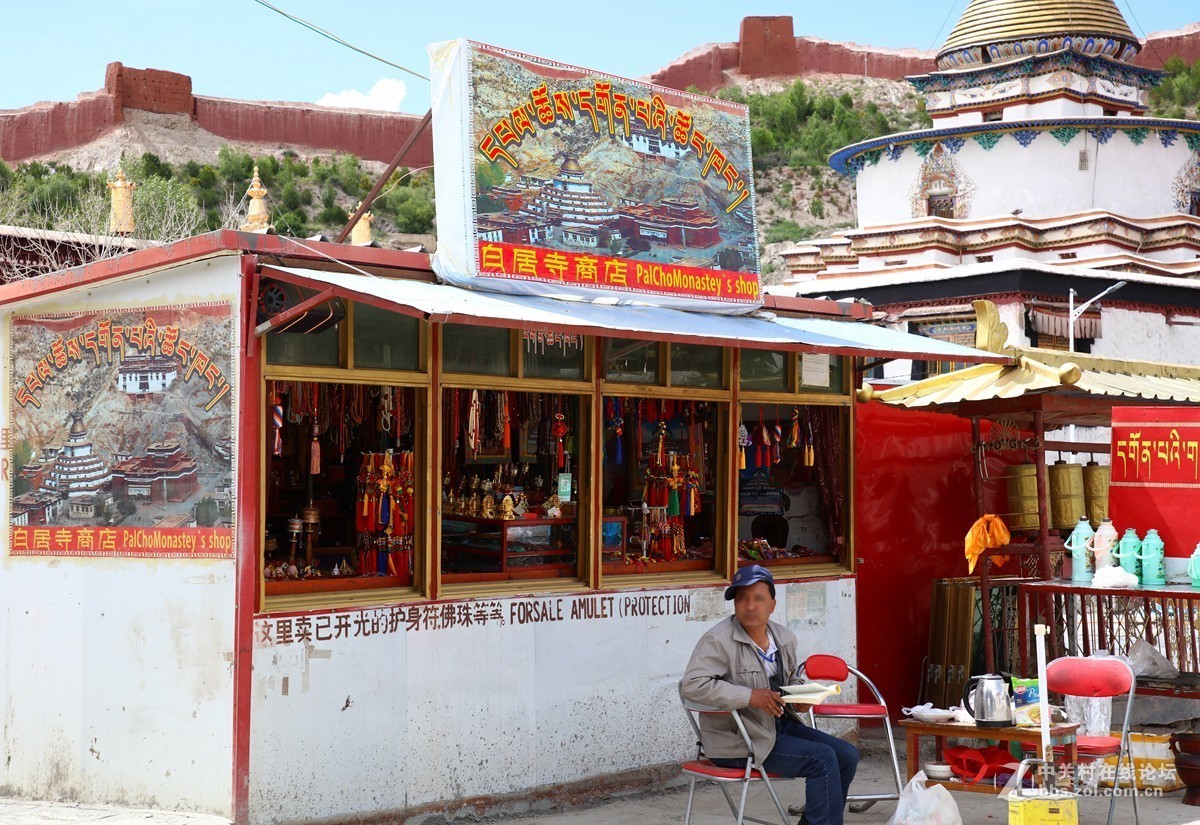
x=415 y=717
x=116 y=678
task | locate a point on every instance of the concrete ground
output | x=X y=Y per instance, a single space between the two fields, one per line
x=658 y=808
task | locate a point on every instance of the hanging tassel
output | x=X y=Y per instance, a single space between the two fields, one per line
x=277 y=424
x=743 y=443
x=673 y=502
x=558 y=431
x=794 y=435
x=314 y=457
x=777 y=445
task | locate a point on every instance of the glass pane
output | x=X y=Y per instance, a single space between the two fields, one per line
x=791 y=493
x=342 y=528
x=385 y=340
x=552 y=355
x=694 y=365
x=764 y=370
x=662 y=485
x=478 y=350
x=630 y=361
x=817 y=371
x=510 y=485
x=315 y=349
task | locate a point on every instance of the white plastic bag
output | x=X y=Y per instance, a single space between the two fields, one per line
x=919 y=805
x=1145 y=660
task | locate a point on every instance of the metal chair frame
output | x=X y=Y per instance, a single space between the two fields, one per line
x=869 y=798
x=1124 y=749
x=753 y=773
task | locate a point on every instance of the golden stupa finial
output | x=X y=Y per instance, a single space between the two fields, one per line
x=360 y=235
x=120 y=212
x=258 y=219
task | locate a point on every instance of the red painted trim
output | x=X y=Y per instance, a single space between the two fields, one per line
x=433 y=549
x=785 y=304
x=246 y=561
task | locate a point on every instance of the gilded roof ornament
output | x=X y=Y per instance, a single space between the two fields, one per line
x=258 y=219
x=120 y=211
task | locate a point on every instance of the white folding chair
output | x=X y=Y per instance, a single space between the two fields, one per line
x=702 y=768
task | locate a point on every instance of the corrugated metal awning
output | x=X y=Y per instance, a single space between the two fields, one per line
x=444 y=303
x=1040 y=371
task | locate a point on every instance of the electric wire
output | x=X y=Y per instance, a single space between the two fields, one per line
x=1145 y=36
x=331 y=36
x=941 y=28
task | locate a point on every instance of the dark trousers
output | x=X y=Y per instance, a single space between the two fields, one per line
x=827 y=764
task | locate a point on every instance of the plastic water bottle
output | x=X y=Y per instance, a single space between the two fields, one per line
x=1077 y=545
x=1153 y=552
x=1128 y=553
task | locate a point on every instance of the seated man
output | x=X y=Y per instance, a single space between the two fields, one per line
x=740 y=665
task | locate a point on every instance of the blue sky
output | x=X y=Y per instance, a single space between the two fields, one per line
x=237 y=48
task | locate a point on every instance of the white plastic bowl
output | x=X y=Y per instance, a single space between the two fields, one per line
x=937 y=770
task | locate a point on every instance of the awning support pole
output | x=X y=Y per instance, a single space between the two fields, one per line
x=385 y=177
x=295 y=312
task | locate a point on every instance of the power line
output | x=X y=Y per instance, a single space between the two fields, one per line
x=941 y=28
x=331 y=36
x=1138 y=23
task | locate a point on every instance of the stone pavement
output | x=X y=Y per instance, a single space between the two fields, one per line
x=659 y=808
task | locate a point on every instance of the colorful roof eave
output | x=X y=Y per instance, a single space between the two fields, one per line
x=944 y=79
x=838 y=160
x=1043 y=371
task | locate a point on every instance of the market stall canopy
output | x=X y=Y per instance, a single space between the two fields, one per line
x=445 y=303
x=1067 y=387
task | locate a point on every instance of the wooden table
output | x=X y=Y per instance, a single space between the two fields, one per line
x=1061 y=734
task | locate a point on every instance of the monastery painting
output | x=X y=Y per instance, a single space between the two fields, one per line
x=121 y=420
x=588 y=163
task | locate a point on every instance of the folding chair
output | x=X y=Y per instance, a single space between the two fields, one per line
x=828 y=668
x=702 y=768
x=1098 y=677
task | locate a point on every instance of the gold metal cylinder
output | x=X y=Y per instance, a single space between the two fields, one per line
x=1095 y=491
x=1066 y=495
x=1022 y=497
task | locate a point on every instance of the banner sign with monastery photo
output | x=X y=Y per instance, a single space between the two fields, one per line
x=558 y=181
x=119 y=435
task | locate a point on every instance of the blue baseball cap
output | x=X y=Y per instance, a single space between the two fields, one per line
x=750 y=574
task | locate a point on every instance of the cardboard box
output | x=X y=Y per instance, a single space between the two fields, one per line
x=1153 y=763
x=1043 y=809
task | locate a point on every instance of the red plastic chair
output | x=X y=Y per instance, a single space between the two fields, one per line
x=827 y=668
x=1098 y=677
x=702 y=768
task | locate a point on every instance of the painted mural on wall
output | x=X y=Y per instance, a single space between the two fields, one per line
x=591 y=184
x=942 y=188
x=120 y=433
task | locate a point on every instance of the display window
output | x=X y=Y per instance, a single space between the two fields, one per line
x=662 y=501
x=342 y=487
x=792 y=487
x=511 y=485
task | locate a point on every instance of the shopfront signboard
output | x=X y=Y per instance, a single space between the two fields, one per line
x=119 y=434
x=1156 y=474
x=564 y=182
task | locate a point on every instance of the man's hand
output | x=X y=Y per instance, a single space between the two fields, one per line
x=767 y=700
x=801 y=709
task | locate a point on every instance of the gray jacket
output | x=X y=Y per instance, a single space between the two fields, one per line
x=724 y=668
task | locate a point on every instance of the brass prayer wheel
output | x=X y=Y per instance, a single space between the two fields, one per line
x=1095 y=491
x=1022 y=497
x=1066 y=495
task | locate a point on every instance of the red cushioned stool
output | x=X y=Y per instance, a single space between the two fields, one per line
x=826 y=668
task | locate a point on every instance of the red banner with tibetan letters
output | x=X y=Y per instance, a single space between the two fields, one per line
x=1156 y=474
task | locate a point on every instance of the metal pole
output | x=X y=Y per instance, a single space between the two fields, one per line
x=1071 y=320
x=387 y=173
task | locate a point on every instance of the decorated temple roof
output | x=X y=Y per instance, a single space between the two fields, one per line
x=1042 y=25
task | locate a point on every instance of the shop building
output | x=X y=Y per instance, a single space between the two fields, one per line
x=472 y=538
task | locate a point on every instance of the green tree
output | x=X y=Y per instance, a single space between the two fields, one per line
x=207 y=512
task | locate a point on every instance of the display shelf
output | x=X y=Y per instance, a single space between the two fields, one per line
x=507 y=548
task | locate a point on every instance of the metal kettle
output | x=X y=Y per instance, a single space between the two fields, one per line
x=992 y=707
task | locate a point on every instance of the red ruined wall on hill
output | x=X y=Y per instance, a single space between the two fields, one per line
x=370 y=135
x=45 y=128
x=50 y=127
